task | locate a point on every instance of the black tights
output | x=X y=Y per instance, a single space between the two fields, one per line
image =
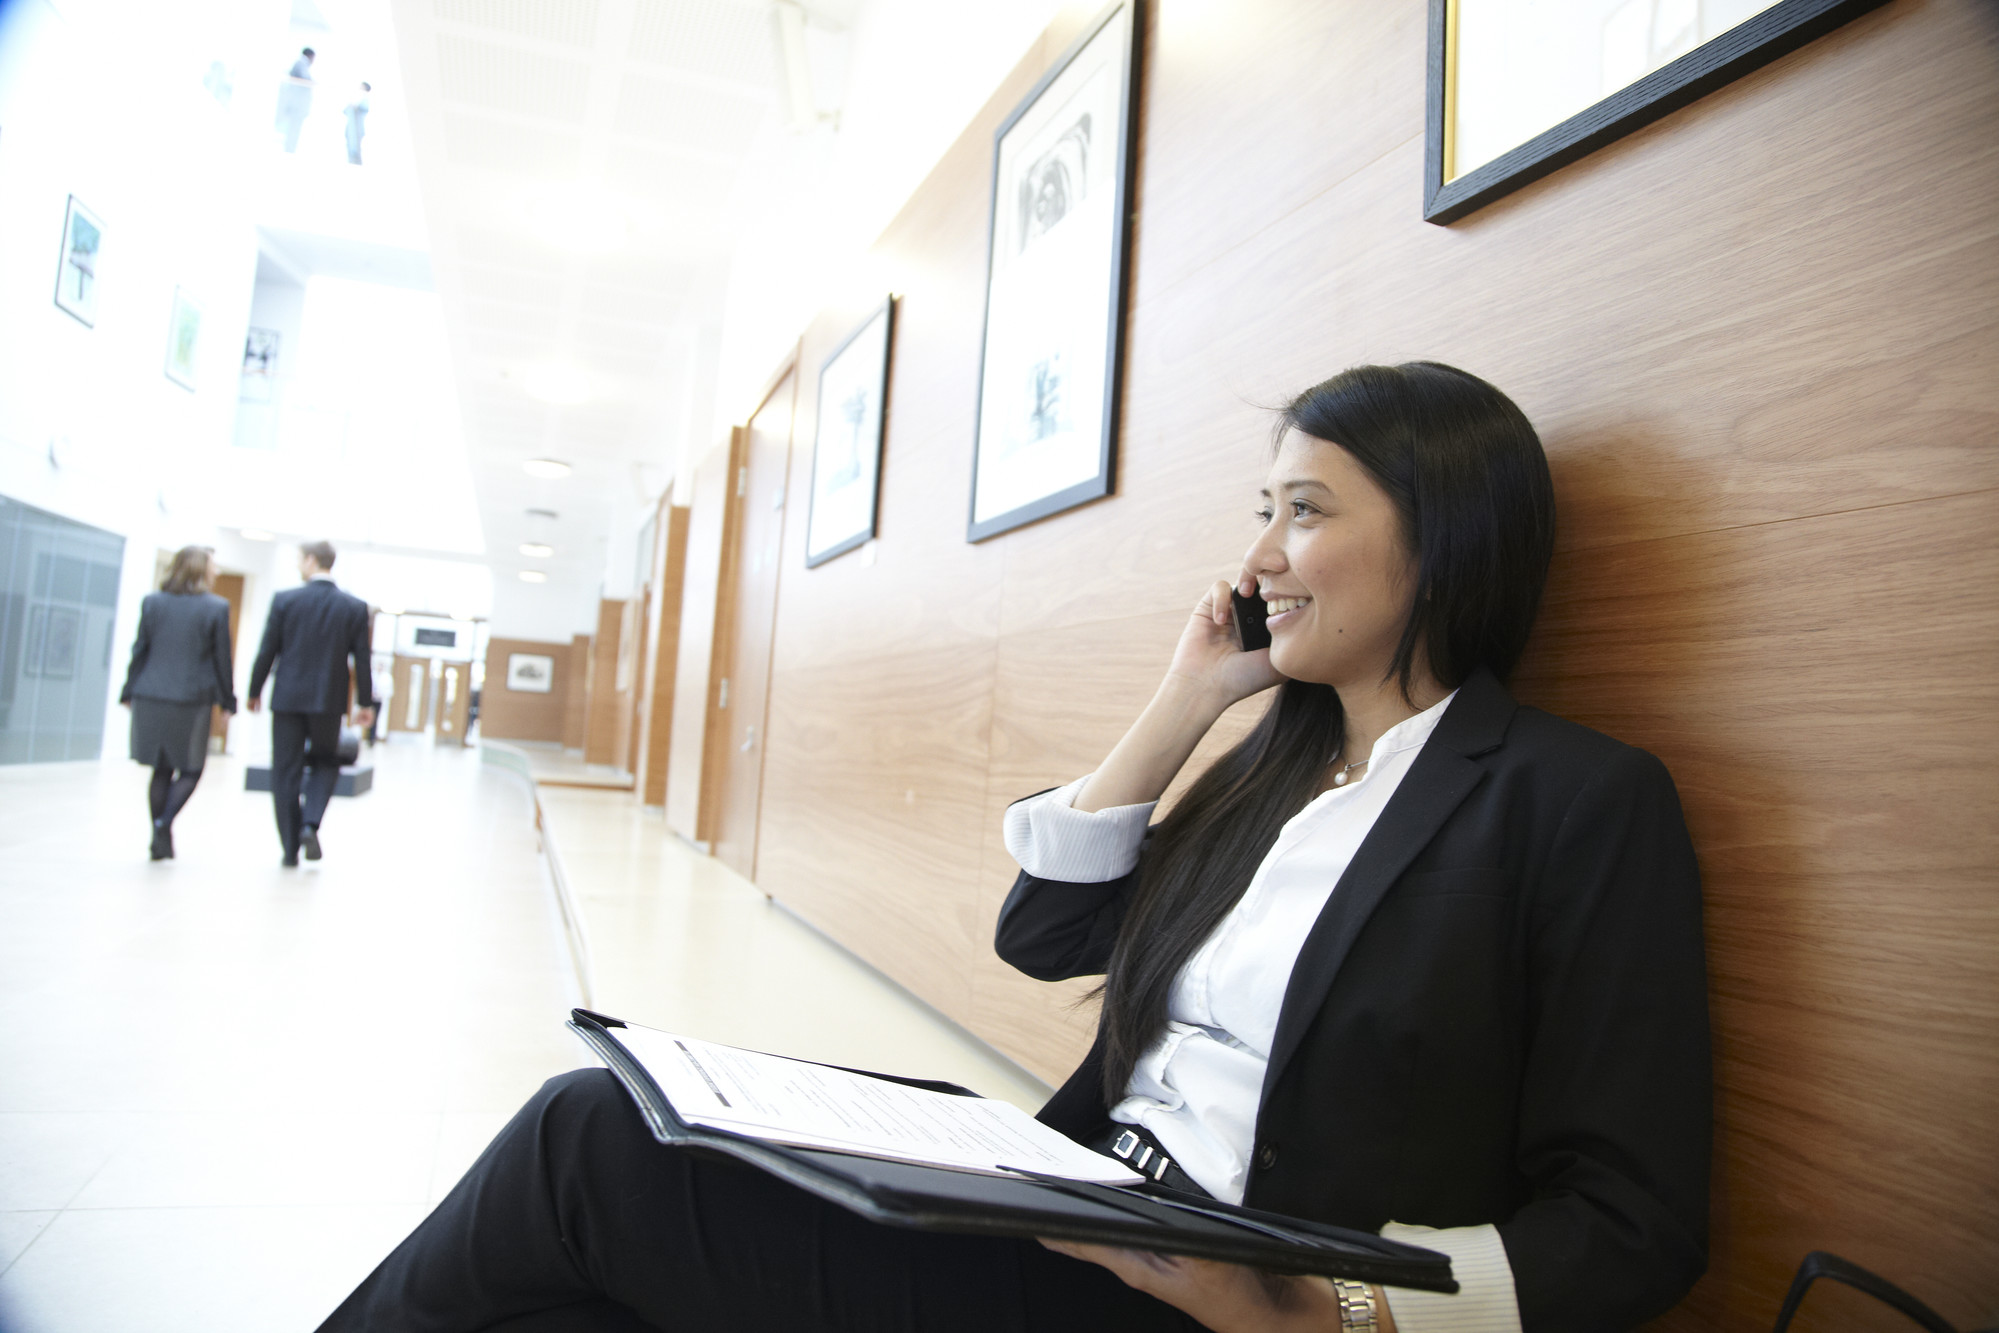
x=169 y=793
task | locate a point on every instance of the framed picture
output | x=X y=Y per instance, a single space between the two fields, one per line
x=183 y=335
x=1520 y=88
x=61 y=642
x=530 y=673
x=76 y=270
x=1055 y=283
x=260 y=364
x=32 y=641
x=847 y=442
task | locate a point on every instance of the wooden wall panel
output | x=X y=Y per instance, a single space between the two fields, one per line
x=521 y=715
x=1760 y=339
x=664 y=656
x=576 y=710
x=696 y=683
x=600 y=745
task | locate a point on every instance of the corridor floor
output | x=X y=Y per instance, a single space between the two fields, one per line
x=227 y=1089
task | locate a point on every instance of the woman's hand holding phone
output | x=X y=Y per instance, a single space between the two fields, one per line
x=1209 y=672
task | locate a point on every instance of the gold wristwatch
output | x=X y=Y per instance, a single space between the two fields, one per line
x=1356 y=1306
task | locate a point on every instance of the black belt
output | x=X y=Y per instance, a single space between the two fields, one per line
x=1137 y=1148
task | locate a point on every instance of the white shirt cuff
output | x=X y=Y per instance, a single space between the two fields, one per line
x=1053 y=840
x=1484 y=1302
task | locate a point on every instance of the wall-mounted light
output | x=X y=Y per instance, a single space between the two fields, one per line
x=537 y=550
x=547 y=468
x=256 y=535
x=533 y=576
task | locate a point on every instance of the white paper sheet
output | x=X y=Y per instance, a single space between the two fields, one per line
x=812 y=1106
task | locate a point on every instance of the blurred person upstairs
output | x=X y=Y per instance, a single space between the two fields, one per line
x=356 y=112
x=312 y=635
x=295 y=101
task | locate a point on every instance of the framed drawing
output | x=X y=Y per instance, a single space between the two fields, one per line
x=260 y=364
x=76 y=270
x=1520 y=88
x=847 y=441
x=183 y=336
x=1047 y=419
x=59 y=647
x=530 y=673
x=37 y=634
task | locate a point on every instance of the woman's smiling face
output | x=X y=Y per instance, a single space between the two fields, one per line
x=1333 y=565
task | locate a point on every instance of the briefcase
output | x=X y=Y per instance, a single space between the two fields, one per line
x=349 y=751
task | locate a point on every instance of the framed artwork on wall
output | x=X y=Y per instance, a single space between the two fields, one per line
x=76 y=270
x=847 y=439
x=183 y=337
x=1046 y=428
x=63 y=640
x=1521 y=88
x=530 y=673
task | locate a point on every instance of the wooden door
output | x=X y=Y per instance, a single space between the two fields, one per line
x=229 y=587
x=698 y=688
x=409 y=707
x=670 y=578
x=759 y=531
x=454 y=702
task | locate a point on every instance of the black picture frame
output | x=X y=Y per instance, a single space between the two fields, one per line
x=1748 y=46
x=878 y=377
x=1123 y=178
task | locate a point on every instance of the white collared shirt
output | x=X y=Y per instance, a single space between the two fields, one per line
x=1199 y=1087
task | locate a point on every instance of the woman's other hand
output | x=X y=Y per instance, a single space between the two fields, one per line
x=1209 y=672
x=1228 y=1298
x=1209 y=656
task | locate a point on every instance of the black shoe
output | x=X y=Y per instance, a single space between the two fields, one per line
x=163 y=844
x=291 y=861
x=308 y=838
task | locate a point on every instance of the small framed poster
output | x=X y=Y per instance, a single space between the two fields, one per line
x=260 y=364
x=183 y=337
x=847 y=439
x=1049 y=372
x=76 y=270
x=64 y=638
x=530 y=673
x=1521 y=88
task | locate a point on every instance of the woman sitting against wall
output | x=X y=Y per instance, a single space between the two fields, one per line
x=1410 y=957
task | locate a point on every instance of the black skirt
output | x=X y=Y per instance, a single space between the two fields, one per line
x=170 y=734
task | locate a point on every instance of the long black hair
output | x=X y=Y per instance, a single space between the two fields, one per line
x=1471 y=489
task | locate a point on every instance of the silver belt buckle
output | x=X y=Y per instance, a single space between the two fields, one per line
x=1147 y=1160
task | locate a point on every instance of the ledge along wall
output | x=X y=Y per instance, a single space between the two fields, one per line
x=1760 y=340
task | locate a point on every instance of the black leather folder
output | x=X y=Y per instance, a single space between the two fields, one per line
x=932 y=1198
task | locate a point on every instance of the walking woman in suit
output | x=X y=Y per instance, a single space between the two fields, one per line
x=1410 y=957
x=180 y=671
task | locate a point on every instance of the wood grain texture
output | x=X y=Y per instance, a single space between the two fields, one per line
x=690 y=796
x=576 y=712
x=410 y=709
x=453 y=694
x=1760 y=339
x=522 y=715
x=664 y=654
x=600 y=745
x=760 y=500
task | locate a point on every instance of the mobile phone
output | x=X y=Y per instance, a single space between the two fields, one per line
x=1250 y=613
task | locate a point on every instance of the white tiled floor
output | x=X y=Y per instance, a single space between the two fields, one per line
x=227 y=1089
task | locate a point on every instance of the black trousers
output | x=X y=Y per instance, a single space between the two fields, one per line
x=292 y=767
x=576 y=1221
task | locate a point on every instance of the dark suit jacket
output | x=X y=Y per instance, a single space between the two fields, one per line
x=1500 y=1017
x=181 y=654
x=311 y=634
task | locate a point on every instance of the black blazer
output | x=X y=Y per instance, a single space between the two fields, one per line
x=1500 y=1017
x=311 y=633
x=181 y=654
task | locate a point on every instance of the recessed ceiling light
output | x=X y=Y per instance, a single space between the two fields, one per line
x=558 y=384
x=549 y=468
x=257 y=535
x=537 y=550
x=533 y=576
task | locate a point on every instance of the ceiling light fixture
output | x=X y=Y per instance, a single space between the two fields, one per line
x=537 y=550
x=533 y=576
x=562 y=385
x=548 y=468
x=257 y=535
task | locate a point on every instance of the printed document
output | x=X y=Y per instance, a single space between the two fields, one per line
x=812 y=1106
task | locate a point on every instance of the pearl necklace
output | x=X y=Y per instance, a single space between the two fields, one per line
x=1340 y=775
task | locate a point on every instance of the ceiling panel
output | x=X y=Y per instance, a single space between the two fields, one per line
x=566 y=22
x=508 y=78
x=722 y=38
x=674 y=114
x=493 y=144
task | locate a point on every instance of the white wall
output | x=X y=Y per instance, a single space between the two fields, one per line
x=90 y=426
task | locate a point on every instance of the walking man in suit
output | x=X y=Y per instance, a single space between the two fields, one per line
x=311 y=635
